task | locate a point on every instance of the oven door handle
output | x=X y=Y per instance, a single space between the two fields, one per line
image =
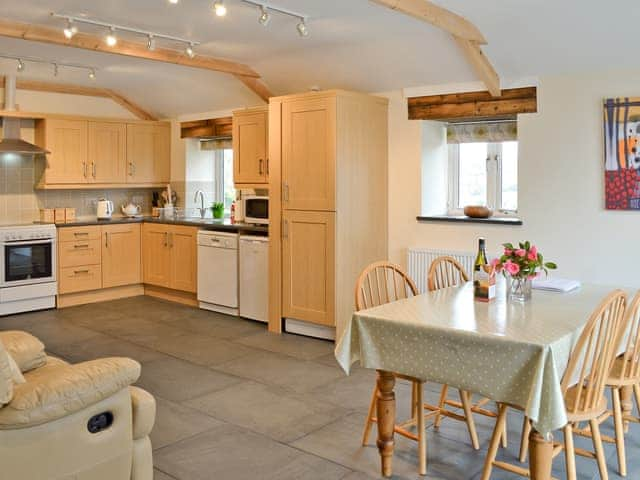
x=42 y=241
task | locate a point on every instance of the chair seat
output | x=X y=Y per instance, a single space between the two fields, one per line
x=615 y=377
x=584 y=414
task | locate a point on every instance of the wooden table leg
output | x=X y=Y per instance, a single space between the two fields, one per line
x=540 y=456
x=627 y=404
x=386 y=412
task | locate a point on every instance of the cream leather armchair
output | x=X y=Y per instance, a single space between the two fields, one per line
x=71 y=422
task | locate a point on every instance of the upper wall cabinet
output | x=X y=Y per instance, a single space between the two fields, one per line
x=148 y=153
x=250 y=137
x=87 y=153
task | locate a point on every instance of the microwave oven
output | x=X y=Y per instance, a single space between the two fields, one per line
x=256 y=209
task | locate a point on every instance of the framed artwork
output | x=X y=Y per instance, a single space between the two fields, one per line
x=622 y=153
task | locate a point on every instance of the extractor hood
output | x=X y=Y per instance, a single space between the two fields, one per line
x=11 y=141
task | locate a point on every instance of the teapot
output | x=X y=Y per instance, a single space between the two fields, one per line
x=131 y=210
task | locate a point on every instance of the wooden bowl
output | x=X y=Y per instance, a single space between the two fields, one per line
x=477 y=211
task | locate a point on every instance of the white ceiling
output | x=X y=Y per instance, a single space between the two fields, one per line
x=353 y=44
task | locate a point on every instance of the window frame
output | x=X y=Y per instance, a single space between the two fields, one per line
x=493 y=165
x=219 y=178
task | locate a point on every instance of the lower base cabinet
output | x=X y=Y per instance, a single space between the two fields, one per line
x=170 y=256
x=121 y=259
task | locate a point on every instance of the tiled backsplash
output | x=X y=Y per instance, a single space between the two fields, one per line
x=19 y=202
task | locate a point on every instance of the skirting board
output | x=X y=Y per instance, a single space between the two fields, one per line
x=185 y=298
x=309 y=329
x=103 y=295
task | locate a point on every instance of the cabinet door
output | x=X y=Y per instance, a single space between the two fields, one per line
x=183 y=243
x=67 y=142
x=156 y=258
x=308 y=266
x=148 y=153
x=250 y=148
x=107 y=153
x=309 y=154
x=121 y=255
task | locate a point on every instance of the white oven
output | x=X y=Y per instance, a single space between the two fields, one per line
x=27 y=267
x=256 y=209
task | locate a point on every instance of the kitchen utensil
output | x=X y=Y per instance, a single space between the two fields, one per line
x=131 y=210
x=104 y=209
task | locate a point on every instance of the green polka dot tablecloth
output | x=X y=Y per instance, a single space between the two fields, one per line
x=512 y=353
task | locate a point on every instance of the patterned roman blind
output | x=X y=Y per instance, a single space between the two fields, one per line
x=216 y=144
x=497 y=131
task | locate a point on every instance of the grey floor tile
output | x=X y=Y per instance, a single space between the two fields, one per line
x=201 y=349
x=175 y=422
x=281 y=370
x=177 y=380
x=158 y=475
x=268 y=410
x=293 y=345
x=105 y=346
x=216 y=324
x=231 y=452
x=58 y=333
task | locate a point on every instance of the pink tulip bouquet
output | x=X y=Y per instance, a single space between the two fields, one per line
x=520 y=265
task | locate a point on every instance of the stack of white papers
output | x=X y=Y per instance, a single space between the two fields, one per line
x=556 y=284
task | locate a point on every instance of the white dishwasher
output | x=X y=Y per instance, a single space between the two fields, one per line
x=254 y=278
x=218 y=271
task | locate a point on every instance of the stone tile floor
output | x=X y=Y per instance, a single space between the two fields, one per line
x=235 y=402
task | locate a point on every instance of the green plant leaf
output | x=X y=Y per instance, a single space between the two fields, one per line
x=551 y=265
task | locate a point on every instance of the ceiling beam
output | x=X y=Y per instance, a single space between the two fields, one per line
x=257 y=86
x=474 y=105
x=480 y=64
x=95 y=43
x=435 y=15
x=39 y=86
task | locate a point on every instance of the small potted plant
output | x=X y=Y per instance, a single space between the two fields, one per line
x=218 y=209
x=521 y=265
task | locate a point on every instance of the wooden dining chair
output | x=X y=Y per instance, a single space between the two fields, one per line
x=446 y=272
x=380 y=283
x=625 y=373
x=583 y=387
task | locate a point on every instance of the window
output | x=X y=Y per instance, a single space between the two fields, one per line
x=224 y=188
x=483 y=173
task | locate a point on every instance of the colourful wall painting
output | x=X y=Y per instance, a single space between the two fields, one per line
x=622 y=153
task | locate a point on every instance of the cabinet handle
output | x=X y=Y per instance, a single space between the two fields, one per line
x=84 y=169
x=132 y=169
x=106 y=239
x=166 y=239
x=285 y=192
x=170 y=240
x=267 y=166
x=93 y=169
x=285 y=228
x=76 y=272
x=77 y=234
x=260 y=162
x=83 y=246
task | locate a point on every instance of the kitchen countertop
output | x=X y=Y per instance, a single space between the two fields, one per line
x=204 y=224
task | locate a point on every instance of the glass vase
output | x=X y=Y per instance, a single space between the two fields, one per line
x=519 y=289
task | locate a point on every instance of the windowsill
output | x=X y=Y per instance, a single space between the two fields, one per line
x=464 y=219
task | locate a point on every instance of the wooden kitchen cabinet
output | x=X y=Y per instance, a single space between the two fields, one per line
x=309 y=154
x=79 y=259
x=183 y=242
x=121 y=262
x=308 y=266
x=148 y=153
x=170 y=256
x=106 y=154
x=250 y=140
x=67 y=142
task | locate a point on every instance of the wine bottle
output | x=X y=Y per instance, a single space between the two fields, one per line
x=484 y=280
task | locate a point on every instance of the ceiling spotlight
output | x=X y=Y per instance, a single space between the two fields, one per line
x=55 y=69
x=173 y=2
x=70 y=30
x=92 y=74
x=151 y=43
x=20 y=66
x=303 y=31
x=219 y=8
x=189 y=51
x=265 y=16
x=111 y=38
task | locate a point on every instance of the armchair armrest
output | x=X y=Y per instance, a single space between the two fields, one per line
x=69 y=389
x=24 y=348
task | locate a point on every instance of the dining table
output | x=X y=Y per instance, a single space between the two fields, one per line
x=511 y=352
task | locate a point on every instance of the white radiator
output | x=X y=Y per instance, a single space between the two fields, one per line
x=419 y=260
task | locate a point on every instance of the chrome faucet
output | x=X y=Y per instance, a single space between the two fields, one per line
x=203 y=210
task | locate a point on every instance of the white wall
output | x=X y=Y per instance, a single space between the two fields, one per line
x=560 y=180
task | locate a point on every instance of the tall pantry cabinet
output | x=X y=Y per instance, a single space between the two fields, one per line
x=328 y=203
